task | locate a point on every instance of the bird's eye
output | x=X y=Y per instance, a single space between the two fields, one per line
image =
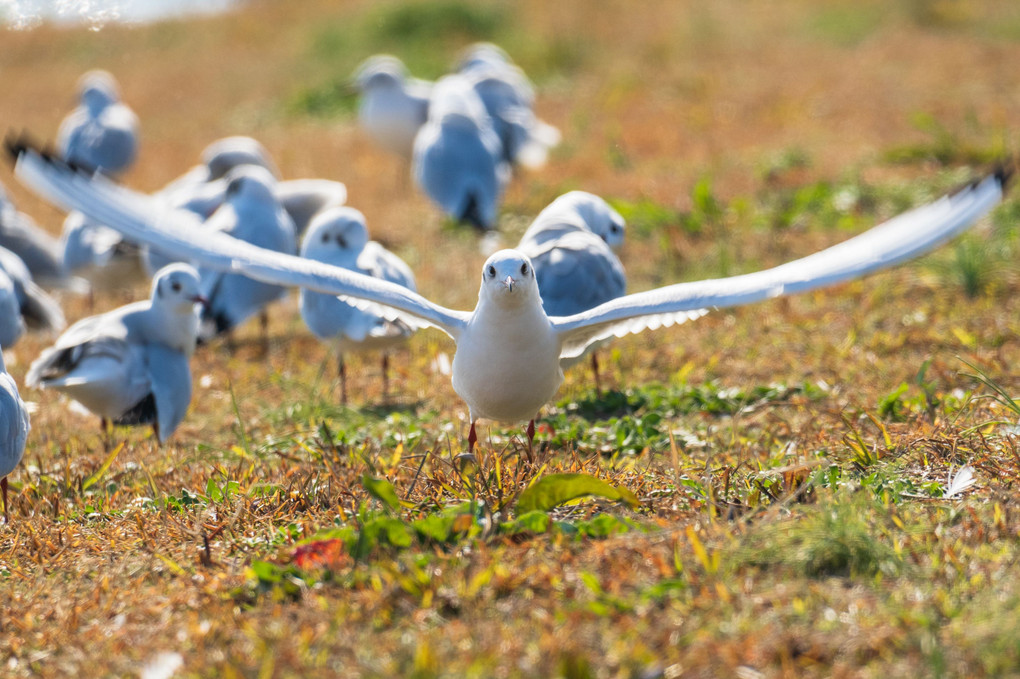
x=524 y=269
x=492 y=271
x=614 y=228
x=325 y=238
x=175 y=286
x=341 y=241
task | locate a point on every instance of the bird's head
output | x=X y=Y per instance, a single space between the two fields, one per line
x=333 y=233
x=508 y=278
x=176 y=287
x=250 y=183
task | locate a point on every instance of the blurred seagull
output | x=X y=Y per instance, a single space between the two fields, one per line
x=12 y=325
x=393 y=105
x=130 y=365
x=14 y=428
x=98 y=253
x=251 y=214
x=203 y=188
x=40 y=251
x=569 y=247
x=102 y=133
x=339 y=237
x=509 y=99
x=509 y=356
x=458 y=158
x=38 y=310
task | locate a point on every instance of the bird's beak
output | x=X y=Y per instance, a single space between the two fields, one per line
x=508 y=282
x=199 y=299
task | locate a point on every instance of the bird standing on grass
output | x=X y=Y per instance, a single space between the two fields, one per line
x=458 y=158
x=101 y=133
x=37 y=308
x=253 y=214
x=570 y=246
x=340 y=237
x=509 y=356
x=393 y=106
x=14 y=427
x=131 y=365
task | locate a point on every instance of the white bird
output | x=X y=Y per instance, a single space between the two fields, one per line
x=101 y=133
x=508 y=361
x=569 y=247
x=458 y=158
x=252 y=214
x=204 y=181
x=393 y=106
x=509 y=99
x=130 y=365
x=40 y=251
x=38 y=310
x=339 y=237
x=12 y=325
x=14 y=428
x=98 y=253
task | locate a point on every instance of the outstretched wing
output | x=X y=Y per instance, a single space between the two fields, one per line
x=179 y=233
x=897 y=240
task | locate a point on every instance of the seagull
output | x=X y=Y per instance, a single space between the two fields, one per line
x=339 y=236
x=252 y=214
x=576 y=210
x=14 y=428
x=12 y=325
x=101 y=133
x=509 y=355
x=130 y=365
x=509 y=99
x=98 y=253
x=38 y=310
x=40 y=251
x=458 y=158
x=218 y=158
x=569 y=245
x=393 y=105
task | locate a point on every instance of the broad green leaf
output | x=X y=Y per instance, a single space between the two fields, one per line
x=531 y=522
x=555 y=489
x=381 y=490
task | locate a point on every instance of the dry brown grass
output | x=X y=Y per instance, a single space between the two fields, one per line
x=96 y=582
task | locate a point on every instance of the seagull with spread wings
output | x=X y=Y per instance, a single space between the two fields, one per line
x=509 y=352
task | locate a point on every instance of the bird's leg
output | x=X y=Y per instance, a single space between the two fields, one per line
x=105 y=424
x=155 y=432
x=472 y=438
x=595 y=369
x=385 y=375
x=3 y=486
x=531 y=439
x=264 y=324
x=341 y=373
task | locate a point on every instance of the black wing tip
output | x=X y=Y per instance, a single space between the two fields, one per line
x=17 y=144
x=1004 y=172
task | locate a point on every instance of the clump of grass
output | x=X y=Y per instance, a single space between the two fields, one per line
x=837 y=538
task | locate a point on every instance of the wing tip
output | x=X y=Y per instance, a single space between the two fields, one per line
x=18 y=144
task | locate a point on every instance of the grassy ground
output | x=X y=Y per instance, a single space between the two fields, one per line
x=787 y=461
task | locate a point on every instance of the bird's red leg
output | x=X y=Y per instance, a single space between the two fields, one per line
x=595 y=369
x=472 y=438
x=3 y=485
x=385 y=375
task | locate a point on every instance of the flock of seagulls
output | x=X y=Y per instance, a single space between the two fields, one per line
x=221 y=243
x=464 y=133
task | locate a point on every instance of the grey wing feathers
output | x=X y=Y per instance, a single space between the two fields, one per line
x=176 y=232
x=899 y=239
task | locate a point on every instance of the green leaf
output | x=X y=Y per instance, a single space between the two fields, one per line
x=532 y=522
x=555 y=489
x=381 y=490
